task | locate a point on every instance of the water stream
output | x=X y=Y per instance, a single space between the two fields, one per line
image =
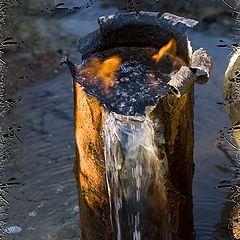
x=135 y=178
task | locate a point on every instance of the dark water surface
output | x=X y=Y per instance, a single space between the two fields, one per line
x=210 y=118
x=46 y=206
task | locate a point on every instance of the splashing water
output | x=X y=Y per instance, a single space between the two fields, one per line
x=135 y=178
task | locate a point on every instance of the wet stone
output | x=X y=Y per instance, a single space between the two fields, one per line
x=140 y=81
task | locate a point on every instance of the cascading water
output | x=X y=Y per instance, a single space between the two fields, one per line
x=135 y=178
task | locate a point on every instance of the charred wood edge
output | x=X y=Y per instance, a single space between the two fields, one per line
x=166 y=20
x=186 y=76
x=166 y=24
x=72 y=68
x=203 y=62
x=181 y=81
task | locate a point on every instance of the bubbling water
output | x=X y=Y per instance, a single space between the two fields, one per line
x=140 y=81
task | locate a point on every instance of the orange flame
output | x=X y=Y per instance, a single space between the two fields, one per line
x=107 y=71
x=104 y=71
x=169 y=48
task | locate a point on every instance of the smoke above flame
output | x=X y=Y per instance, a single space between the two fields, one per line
x=170 y=48
x=104 y=71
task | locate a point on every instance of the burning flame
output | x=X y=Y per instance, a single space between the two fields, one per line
x=169 y=48
x=104 y=71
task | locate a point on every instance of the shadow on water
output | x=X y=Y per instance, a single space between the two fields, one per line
x=46 y=206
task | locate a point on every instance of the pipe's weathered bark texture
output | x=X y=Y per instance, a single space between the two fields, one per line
x=177 y=117
x=90 y=167
x=176 y=114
